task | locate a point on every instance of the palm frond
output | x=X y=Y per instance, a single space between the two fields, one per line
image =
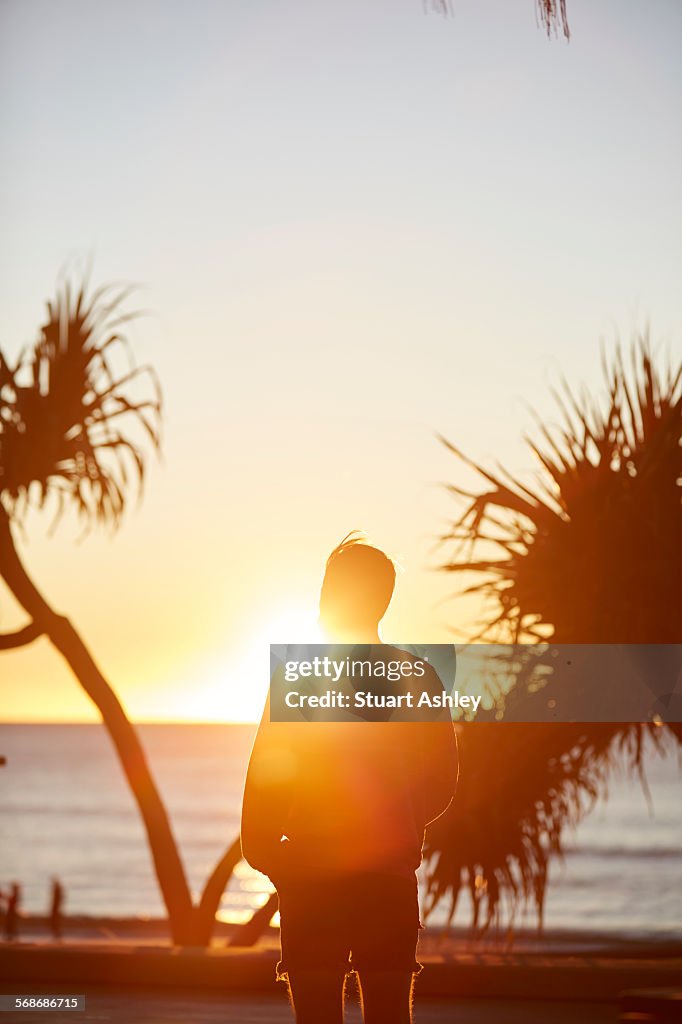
x=551 y=13
x=602 y=525
x=586 y=555
x=554 y=17
x=73 y=425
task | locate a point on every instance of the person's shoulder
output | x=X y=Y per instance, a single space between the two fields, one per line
x=415 y=659
x=399 y=654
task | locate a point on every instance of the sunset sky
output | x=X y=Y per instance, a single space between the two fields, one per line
x=355 y=224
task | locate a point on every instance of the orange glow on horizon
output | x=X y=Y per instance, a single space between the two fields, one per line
x=232 y=690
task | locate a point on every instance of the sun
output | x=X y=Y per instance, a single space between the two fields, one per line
x=295 y=625
x=235 y=690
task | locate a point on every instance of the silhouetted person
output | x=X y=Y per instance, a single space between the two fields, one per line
x=56 y=903
x=13 y=901
x=335 y=812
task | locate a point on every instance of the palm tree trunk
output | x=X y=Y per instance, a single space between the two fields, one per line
x=204 y=914
x=250 y=932
x=167 y=863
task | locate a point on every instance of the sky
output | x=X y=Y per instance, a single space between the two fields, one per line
x=354 y=226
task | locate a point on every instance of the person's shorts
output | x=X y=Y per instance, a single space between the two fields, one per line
x=367 y=922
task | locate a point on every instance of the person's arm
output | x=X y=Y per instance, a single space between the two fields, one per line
x=441 y=768
x=438 y=759
x=267 y=794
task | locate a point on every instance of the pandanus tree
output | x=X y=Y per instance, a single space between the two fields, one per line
x=587 y=555
x=76 y=428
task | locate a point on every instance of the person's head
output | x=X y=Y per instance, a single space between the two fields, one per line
x=357 y=588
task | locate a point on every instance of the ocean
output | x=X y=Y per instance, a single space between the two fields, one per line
x=65 y=810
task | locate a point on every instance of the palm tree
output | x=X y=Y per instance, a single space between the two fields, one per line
x=73 y=434
x=584 y=556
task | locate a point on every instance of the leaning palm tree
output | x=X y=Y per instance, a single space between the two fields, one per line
x=75 y=430
x=585 y=556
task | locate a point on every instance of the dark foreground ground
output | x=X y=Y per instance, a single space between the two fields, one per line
x=155 y=1006
x=138 y=978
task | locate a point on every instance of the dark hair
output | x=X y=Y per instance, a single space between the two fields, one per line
x=358 y=580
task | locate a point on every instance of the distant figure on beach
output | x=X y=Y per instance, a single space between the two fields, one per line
x=12 y=903
x=334 y=813
x=56 y=903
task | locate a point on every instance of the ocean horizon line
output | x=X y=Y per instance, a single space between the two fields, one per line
x=133 y=721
